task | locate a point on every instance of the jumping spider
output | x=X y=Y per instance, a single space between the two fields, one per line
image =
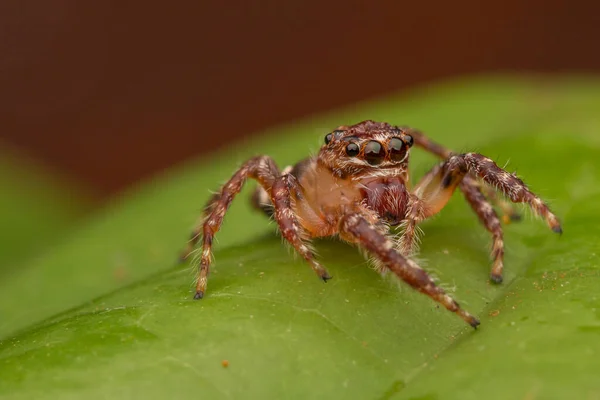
x=357 y=187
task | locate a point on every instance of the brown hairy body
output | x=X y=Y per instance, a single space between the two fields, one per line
x=357 y=186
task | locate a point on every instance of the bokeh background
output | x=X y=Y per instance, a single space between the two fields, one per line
x=108 y=93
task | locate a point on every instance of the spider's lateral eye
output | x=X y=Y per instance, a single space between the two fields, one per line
x=328 y=138
x=374 y=152
x=352 y=149
x=409 y=140
x=397 y=149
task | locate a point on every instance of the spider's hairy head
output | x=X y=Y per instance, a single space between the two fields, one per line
x=366 y=148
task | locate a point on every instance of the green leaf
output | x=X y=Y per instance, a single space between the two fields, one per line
x=108 y=315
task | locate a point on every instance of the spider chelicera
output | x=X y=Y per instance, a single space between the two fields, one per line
x=357 y=186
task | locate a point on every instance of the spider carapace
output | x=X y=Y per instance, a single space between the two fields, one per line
x=357 y=187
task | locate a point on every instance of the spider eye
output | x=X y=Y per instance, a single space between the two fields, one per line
x=409 y=140
x=352 y=149
x=398 y=149
x=374 y=152
x=328 y=138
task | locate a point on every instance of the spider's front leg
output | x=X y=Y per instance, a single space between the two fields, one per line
x=355 y=227
x=509 y=184
x=435 y=189
x=509 y=213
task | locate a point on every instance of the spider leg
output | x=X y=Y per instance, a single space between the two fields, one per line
x=418 y=210
x=356 y=228
x=509 y=214
x=285 y=190
x=437 y=186
x=414 y=215
x=489 y=218
x=282 y=189
x=261 y=168
x=261 y=200
x=421 y=140
x=509 y=184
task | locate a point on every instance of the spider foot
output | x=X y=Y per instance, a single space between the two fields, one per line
x=325 y=276
x=474 y=322
x=468 y=318
x=199 y=294
x=557 y=229
x=496 y=278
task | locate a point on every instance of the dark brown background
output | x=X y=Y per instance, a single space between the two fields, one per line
x=112 y=91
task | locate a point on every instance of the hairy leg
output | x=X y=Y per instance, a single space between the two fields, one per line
x=490 y=220
x=285 y=188
x=356 y=228
x=261 y=200
x=509 y=184
x=437 y=186
x=509 y=214
x=281 y=188
x=422 y=141
x=261 y=168
x=414 y=216
x=430 y=196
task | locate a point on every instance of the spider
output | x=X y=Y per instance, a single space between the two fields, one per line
x=358 y=187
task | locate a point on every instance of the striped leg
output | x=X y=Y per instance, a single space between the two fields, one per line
x=261 y=168
x=261 y=199
x=422 y=141
x=507 y=183
x=355 y=228
x=437 y=186
x=284 y=189
x=490 y=220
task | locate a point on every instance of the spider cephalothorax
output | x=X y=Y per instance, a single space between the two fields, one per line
x=357 y=186
x=368 y=148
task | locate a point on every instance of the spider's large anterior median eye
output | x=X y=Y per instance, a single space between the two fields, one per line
x=352 y=149
x=397 y=149
x=409 y=140
x=328 y=138
x=374 y=152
